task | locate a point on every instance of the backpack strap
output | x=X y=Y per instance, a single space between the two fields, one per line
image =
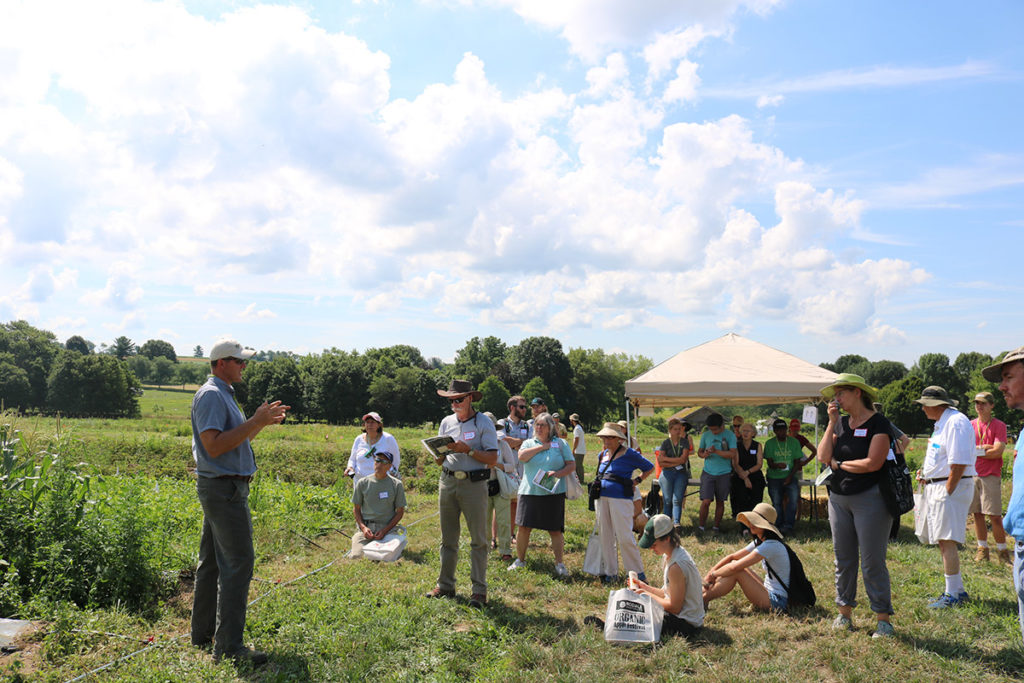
x=776 y=574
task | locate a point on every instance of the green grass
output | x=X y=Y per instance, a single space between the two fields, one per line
x=360 y=621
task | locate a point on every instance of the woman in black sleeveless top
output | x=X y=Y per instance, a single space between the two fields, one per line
x=747 y=478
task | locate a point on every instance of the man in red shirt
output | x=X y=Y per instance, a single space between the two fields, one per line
x=989 y=440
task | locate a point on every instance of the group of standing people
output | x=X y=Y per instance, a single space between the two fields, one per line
x=957 y=477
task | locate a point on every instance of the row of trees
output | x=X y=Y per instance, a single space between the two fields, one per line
x=899 y=386
x=39 y=373
x=336 y=386
x=397 y=381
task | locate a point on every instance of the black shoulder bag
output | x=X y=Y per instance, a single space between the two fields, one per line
x=896 y=484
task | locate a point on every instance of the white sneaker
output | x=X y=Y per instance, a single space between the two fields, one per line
x=560 y=570
x=518 y=564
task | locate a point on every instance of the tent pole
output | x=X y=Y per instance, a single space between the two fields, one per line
x=628 y=440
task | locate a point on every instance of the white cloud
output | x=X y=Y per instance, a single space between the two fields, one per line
x=592 y=27
x=268 y=156
x=251 y=313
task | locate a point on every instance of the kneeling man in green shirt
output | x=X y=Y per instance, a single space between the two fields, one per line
x=378 y=503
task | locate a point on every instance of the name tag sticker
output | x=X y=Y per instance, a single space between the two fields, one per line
x=525 y=431
x=860 y=432
x=468 y=435
x=753 y=451
x=383 y=494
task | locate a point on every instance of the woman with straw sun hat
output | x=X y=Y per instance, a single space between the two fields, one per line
x=616 y=465
x=857 y=513
x=766 y=547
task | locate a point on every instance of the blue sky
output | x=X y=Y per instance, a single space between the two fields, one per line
x=824 y=177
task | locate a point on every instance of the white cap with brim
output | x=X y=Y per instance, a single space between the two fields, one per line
x=656 y=527
x=229 y=348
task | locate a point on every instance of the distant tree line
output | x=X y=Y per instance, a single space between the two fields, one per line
x=38 y=373
x=899 y=386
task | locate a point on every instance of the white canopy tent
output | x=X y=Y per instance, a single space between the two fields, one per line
x=730 y=370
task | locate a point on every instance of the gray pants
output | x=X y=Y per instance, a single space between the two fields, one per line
x=860 y=524
x=468 y=498
x=226 y=559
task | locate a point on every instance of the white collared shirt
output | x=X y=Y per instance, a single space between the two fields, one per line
x=951 y=443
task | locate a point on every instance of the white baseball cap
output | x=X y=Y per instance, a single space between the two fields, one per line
x=229 y=348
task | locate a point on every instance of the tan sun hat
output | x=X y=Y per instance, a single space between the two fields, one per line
x=935 y=396
x=762 y=516
x=985 y=396
x=994 y=373
x=612 y=429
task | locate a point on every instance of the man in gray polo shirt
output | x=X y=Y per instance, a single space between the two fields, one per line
x=225 y=465
x=463 y=489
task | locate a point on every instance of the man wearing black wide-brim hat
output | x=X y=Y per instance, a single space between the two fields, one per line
x=462 y=489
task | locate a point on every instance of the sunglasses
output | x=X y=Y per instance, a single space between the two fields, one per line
x=237 y=360
x=380 y=460
x=521 y=406
x=456 y=401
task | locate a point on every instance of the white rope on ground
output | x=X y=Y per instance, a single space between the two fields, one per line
x=277 y=585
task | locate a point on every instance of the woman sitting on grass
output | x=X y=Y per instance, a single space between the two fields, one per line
x=680 y=595
x=734 y=569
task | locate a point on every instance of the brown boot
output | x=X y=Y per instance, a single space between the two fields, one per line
x=982 y=555
x=1004 y=556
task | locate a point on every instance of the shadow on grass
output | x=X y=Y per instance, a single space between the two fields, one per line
x=1001 y=607
x=416 y=556
x=1008 y=661
x=279 y=666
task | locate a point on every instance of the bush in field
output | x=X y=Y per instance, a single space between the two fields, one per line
x=95 y=385
x=59 y=544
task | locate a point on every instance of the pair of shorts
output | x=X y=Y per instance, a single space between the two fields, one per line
x=545 y=512
x=941 y=516
x=715 y=486
x=988 y=495
x=778 y=601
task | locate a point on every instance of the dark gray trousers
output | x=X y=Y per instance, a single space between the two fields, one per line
x=226 y=559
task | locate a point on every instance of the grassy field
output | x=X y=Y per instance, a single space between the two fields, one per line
x=356 y=620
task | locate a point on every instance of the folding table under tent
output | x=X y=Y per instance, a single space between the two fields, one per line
x=728 y=371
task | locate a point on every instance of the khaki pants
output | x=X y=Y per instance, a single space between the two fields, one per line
x=467 y=498
x=359 y=540
x=499 y=508
x=616 y=525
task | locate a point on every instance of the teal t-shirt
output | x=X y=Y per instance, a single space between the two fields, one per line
x=787 y=452
x=725 y=441
x=551 y=460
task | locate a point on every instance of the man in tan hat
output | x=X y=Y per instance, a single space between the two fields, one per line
x=1009 y=372
x=989 y=441
x=462 y=489
x=948 y=489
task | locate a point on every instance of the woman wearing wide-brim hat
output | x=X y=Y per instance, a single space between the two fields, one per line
x=947 y=478
x=857 y=513
x=615 y=467
x=735 y=569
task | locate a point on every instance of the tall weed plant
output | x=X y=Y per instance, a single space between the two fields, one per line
x=59 y=540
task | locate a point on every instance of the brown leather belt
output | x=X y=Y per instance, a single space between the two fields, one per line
x=938 y=479
x=242 y=477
